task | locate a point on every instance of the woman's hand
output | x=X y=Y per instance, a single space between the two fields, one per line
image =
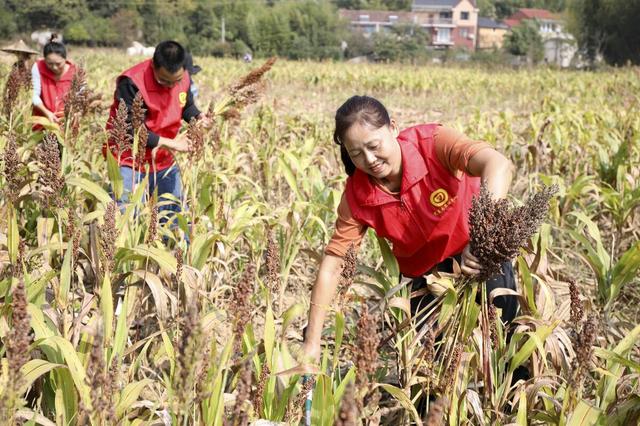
x=310 y=353
x=53 y=117
x=470 y=264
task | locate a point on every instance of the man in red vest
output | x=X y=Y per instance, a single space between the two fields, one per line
x=165 y=87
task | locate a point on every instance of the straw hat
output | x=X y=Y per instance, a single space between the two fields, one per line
x=19 y=47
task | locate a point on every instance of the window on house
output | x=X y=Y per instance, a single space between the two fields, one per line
x=464 y=16
x=464 y=32
x=393 y=19
x=363 y=18
x=445 y=15
x=444 y=35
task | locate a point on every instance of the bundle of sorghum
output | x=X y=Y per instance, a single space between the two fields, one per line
x=498 y=231
x=50 y=178
x=11 y=91
x=247 y=90
x=195 y=134
x=120 y=131
x=12 y=169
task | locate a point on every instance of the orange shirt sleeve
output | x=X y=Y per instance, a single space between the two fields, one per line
x=348 y=231
x=454 y=149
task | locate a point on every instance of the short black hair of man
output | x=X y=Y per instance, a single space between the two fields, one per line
x=169 y=55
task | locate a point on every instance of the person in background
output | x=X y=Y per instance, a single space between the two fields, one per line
x=51 y=78
x=165 y=86
x=193 y=70
x=25 y=56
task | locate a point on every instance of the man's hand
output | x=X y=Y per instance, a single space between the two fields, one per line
x=205 y=120
x=179 y=144
x=470 y=264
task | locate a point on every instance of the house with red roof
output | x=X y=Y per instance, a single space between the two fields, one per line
x=450 y=23
x=559 y=46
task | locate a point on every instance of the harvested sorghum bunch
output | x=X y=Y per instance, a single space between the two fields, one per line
x=252 y=77
x=497 y=231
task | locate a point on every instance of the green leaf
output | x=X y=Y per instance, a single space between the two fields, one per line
x=163 y=258
x=625 y=270
x=390 y=261
x=290 y=177
x=339 y=329
x=106 y=308
x=291 y=314
x=65 y=275
x=530 y=345
x=113 y=171
x=76 y=369
x=521 y=419
x=91 y=188
x=403 y=399
x=130 y=395
x=584 y=415
x=13 y=235
x=34 y=369
x=322 y=405
x=269 y=336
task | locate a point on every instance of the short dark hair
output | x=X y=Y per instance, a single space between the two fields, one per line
x=169 y=55
x=357 y=109
x=54 y=46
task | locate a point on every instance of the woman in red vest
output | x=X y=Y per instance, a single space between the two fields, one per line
x=51 y=79
x=414 y=188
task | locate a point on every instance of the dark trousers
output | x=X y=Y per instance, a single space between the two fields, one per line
x=508 y=304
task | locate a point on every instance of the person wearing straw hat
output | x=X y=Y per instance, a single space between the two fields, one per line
x=51 y=77
x=24 y=54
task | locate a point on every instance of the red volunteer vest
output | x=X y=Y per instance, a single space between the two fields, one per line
x=54 y=91
x=428 y=221
x=164 y=107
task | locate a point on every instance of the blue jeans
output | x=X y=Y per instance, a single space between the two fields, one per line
x=165 y=182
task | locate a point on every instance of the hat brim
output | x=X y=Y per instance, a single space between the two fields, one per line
x=11 y=50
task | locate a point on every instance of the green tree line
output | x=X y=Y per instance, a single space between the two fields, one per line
x=300 y=29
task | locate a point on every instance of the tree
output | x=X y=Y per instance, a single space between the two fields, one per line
x=608 y=27
x=525 y=40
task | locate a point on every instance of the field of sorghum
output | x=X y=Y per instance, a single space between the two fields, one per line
x=111 y=318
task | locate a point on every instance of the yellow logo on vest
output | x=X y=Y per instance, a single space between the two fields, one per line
x=182 y=97
x=439 y=197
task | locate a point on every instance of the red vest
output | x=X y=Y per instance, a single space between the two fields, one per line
x=54 y=91
x=428 y=221
x=164 y=107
